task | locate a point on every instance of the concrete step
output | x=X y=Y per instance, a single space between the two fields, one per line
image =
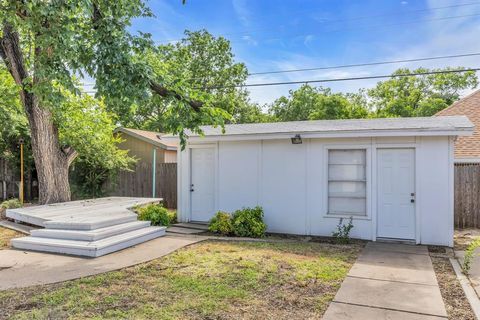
x=182 y=230
x=89 y=248
x=190 y=225
x=90 y=235
x=91 y=223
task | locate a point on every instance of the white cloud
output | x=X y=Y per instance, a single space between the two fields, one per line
x=250 y=40
x=242 y=11
x=433 y=38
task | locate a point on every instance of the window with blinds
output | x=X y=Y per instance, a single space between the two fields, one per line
x=347 y=182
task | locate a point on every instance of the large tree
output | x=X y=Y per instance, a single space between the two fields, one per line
x=418 y=96
x=316 y=103
x=44 y=44
x=204 y=65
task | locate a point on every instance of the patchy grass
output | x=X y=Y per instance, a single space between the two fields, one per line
x=209 y=280
x=455 y=300
x=6 y=235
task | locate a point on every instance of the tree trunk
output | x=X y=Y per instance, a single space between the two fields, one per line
x=51 y=160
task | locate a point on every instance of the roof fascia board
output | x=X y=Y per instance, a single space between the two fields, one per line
x=343 y=134
x=139 y=137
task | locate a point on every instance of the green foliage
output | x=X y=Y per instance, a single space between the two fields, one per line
x=312 y=103
x=197 y=66
x=342 y=234
x=418 y=96
x=469 y=255
x=11 y=204
x=248 y=222
x=156 y=214
x=221 y=223
x=13 y=123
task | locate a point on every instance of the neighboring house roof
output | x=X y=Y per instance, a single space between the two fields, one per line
x=427 y=126
x=154 y=138
x=467 y=148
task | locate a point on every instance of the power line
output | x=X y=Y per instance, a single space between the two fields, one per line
x=344 y=79
x=376 y=27
x=249 y=32
x=365 y=64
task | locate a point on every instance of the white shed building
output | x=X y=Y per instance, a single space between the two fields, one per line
x=393 y=176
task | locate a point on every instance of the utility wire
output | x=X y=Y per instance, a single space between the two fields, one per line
x=343 y=79
x=366 y=64
x=375 y=27
x=249 y=32
x=337 y=79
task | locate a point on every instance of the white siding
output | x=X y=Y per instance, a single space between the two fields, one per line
x=435 y=196
x=290 y=181
x=238 y=168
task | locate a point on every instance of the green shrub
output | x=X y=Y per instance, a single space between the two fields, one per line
x=11 y=204
x=221 y=223
x=248 y=222
x=157 y=214
x=469 y=255
x=342 y=234
x=172 y=215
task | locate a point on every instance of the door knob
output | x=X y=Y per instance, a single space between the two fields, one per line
x=412 y=200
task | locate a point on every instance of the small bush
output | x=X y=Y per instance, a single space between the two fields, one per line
x=221 y=223
x=248 y=222
x=157 y=214
x=469 y=255
x=342 y=234
x=11 y=204
x=173 y=216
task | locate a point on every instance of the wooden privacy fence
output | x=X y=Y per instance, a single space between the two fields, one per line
x=467 y=195
x=138 y=183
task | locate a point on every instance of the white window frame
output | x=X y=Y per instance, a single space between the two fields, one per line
x=368 y=175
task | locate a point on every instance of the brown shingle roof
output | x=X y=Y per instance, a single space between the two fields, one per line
x=467 y=147
x=151 y=136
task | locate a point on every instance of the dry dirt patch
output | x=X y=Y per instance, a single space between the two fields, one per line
x=6 y=235
x=453 y=296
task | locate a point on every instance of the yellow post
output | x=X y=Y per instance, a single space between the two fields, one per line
x=21 y=172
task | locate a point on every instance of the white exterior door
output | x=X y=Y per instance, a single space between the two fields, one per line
x=396 y=193
x=202 y=187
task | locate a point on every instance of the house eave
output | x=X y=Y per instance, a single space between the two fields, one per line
x=329 y=134
x=139 y=137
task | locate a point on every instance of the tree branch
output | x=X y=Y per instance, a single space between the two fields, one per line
x=155 y=87
x=70 y=154
x=12 y=56
x=164 y=92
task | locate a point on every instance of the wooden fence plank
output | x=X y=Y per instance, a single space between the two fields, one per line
x=138 y=183
x=467 y=195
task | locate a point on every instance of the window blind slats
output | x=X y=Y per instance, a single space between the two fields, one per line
x=347 y=182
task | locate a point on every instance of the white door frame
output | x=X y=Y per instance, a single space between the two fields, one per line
x=415 y=147
x=215 y=168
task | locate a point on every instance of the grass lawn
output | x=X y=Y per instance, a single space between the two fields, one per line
x=6 y=235
x=208 y=280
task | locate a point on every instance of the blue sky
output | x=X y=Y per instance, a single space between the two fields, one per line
x=275 y=35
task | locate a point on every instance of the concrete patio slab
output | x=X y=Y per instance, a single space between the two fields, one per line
x=392 y=295
x=389 y=281
x=394 y=266
x=340 y=311
x=23 y=268
x=395 y=247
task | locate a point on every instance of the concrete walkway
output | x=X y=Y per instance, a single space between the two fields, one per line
x=25 y=268
x=389 y=281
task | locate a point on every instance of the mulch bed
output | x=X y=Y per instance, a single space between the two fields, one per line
x=453 y=296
